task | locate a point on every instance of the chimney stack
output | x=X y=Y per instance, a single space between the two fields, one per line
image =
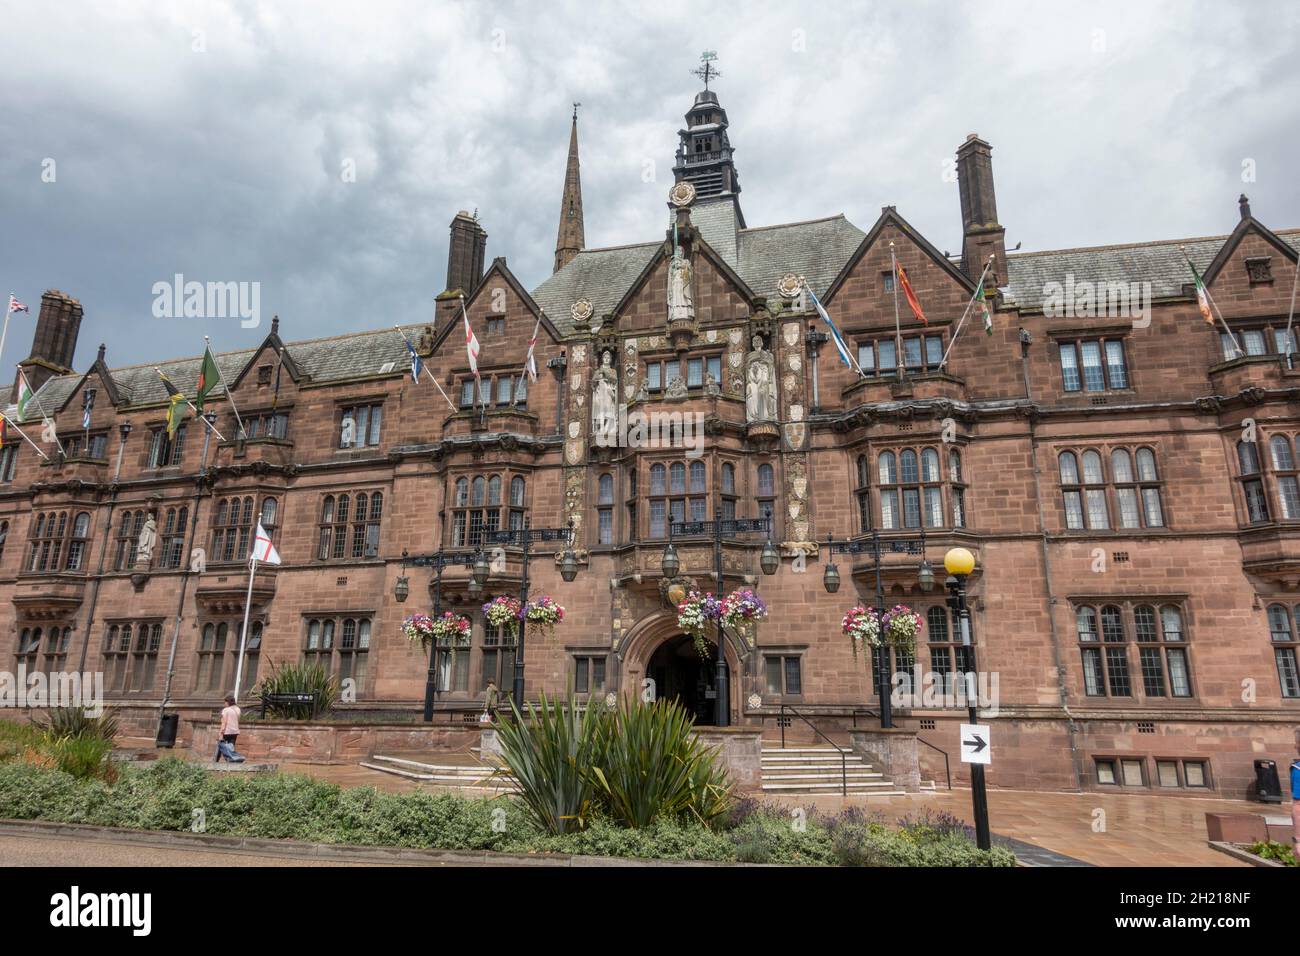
x=55 y=341
x=465 y=253
x=1243 y=204
x=982 y=234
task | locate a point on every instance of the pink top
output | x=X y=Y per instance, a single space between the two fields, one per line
x=230 y=720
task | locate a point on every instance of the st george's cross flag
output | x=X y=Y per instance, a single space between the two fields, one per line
x=471 y=341
x=263 y=550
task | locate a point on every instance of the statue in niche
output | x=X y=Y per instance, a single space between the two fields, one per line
x=676 y=387
x=144 y=545
x=760 y=391
x=681 y=307
x=604 y=400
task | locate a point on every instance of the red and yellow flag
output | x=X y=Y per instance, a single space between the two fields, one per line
x=911 y=296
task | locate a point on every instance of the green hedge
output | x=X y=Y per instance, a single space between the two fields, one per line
x=163 y=796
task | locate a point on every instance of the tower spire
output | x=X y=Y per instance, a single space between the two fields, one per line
x=570 y=240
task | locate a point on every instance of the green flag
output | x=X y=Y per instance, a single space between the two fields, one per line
x=176 y=408
x=209 y=376
x=24 y=395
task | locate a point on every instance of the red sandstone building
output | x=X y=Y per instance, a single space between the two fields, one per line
x=1128 y=483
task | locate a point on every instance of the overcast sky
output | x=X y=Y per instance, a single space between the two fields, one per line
x=212 y=139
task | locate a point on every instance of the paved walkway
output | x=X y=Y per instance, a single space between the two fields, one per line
x=38 y=851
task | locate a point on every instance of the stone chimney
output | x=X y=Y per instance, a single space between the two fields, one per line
x=465 y=253
x=55 y=341
x=982 y=234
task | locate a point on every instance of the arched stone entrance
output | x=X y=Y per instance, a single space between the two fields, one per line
x=655 y=642
x=680 y=673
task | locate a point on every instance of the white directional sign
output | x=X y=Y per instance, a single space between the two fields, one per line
x=975 y=744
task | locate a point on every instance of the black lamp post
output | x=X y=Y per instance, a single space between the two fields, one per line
x=524 y=537
x=769 y=561
x=959 y=563
x=402 y=589
x=924 y=577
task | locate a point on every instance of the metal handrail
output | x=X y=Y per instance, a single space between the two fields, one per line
x=844 y=769
x=947 y=772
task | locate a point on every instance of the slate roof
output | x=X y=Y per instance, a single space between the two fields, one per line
x=601 y=276
x=1160 y=263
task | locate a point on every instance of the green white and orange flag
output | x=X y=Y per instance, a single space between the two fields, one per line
x=1202 y=296
x=982 y=294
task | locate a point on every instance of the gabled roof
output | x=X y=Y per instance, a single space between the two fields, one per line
x=273 y=343
x=601 y=276
x=500 y=268
x=889 y=216
x=1247 y=225
x=1160 y=263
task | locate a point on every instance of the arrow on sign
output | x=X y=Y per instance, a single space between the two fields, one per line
x=976 y=745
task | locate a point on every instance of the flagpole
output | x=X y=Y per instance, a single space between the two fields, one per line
x=45 y=416
x=1214 y=306
x=243 y=635
x=24 y=436
x=9 y=310
x=1295 y=280
x=837 y=337
x=979 y=286
x=898 y=331
x=433 y=378
x=207 y=347
x=478 y=379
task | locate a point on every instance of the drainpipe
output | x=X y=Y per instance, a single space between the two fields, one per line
x=123 y=430
x=1071 y=727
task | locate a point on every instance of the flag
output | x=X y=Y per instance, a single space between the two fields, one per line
x=982 y=294
x=471 y=341
x=531 y=364
x=175 y=410
x=24 y=393
x=907 y=291
x=87 y=404
x=835 y=333
x=209 y=376
x=417 y=363
x=4 y=431
x=16 y=306
x=1202 y=296
x=263 y=549
x=279 y=363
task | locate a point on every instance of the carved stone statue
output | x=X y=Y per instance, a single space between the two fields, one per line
x=681 y=306
x=604 y=401
x=145 y=543
x=760 y=389
x=347 y=432
x=676 y=388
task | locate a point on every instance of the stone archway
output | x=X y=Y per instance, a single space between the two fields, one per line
x=656 y=649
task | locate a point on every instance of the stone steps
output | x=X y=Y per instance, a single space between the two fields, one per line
x=822 y=770
x=451 y=776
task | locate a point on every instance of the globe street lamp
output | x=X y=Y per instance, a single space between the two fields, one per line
x=959 y=563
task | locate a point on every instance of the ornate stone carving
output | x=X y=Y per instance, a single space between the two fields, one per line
x=681 y=303
x=1211 y=405
x=604 y=402
x=760 y=389
x=676 y=388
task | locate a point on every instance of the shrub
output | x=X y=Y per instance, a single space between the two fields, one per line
x=81 y=757
x=75 y=722
x=300 y=678
x=16 y=739
x=1272 y=850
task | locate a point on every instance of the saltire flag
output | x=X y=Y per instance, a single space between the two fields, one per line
x=417 y=363
x=87 y=405
x=209 y=376
x=531 y=364
x=471 y=341
x=982 y=294
x=1202 y=296
x=176 y=409
x=840 y=347
x=909 y=294
x=16 y=306
x=263 y=550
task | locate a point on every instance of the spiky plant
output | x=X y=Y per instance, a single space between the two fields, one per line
x=304 y=678
x=76 y=722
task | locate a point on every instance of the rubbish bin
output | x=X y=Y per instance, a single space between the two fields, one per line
x=167 y=734
x=1267 y=787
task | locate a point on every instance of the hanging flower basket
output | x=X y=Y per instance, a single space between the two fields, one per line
x=901 y=625
x=693 y=615
x=862 y=627
x=543 y=614
x=742 y=610
x=503 y=612
x=419 y=629
x=451 y=627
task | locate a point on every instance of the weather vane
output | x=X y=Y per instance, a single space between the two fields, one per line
x=706 y=70
x=575 y=110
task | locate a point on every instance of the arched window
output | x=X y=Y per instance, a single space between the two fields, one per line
x=766 y=497
x=929 y=465
x=888 y=472
x=917 y=495
x=1286 y=476
x=270 y=507
x=697 y=478
x=954 y=465
x=1252 y=484
x=476 y=517
x=677 y=478
x=907 y=466
x=862 y=492
x=517 y=492
x=1085 y=503
x=77 y=543
x=48 y=544
x=657 y=484
x=494 y=491
x=477 y=496
x=117 y=645
x=674 y=504
x=728 y=491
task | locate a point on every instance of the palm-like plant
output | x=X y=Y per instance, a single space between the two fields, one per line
x=76 y=722
x=292 y=678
